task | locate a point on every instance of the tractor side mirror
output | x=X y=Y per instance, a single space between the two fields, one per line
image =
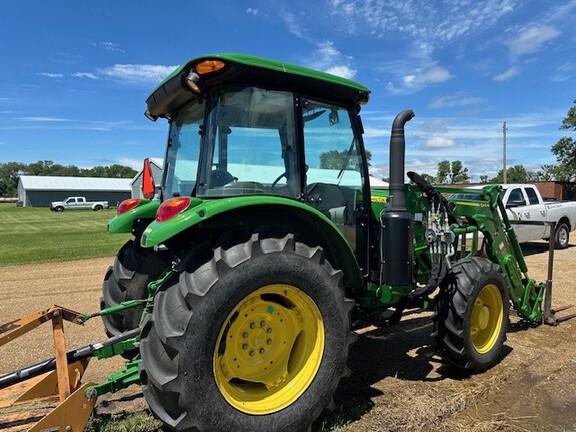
x=333 y=117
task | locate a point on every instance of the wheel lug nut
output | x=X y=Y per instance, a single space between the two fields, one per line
x=269 y=330
x=252 y=353
x=252 y=325
x=269 y=341
x=261 y=350
x=245 y=346
x=245 y=335
x=262 y=323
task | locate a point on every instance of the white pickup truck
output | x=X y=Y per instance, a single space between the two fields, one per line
x=523 y=202
x=77 y=203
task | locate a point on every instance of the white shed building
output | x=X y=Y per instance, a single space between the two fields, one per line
x=40 y=191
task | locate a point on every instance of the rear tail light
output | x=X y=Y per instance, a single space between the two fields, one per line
x=127 y=205
x=170 y=208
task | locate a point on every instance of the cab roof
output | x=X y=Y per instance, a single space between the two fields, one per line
x=241 y=69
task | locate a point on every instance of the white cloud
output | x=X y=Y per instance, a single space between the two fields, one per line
x=130 y=73
x=455 y=101
x=327 y=58
x=59 y=123
x=293 y=24
x=85 y=75
x=508 y=74
x=109 y=46
x=43 y=119
x=423 y=27
x=137 y=73
x=435 y=74
x=420 y=78
x=50 y=75
x=439 y=142
x=477 y=142
x=564 y=72
x=531 y=39
x=252 y=11
x=430 y=24
x=342 y=71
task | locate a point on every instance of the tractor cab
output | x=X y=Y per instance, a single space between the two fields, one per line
x=257 y=137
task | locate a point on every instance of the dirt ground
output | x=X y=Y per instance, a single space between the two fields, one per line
x=397 y=382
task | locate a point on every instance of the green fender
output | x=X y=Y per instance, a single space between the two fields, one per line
x=123 y=223
x=315 y=224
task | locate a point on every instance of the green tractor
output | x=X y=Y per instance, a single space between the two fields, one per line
x=264 y=242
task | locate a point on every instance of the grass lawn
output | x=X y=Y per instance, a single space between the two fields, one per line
x=35 y=235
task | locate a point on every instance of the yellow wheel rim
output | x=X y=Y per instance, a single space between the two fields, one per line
x=269 y=349
x=486 y=320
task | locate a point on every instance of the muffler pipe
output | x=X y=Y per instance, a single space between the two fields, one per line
x=397 y=224
x=397 y=198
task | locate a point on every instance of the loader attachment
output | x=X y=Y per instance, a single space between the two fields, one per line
x=56 y=314
x=58 y=379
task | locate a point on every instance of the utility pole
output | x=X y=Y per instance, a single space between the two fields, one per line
x=504 y=129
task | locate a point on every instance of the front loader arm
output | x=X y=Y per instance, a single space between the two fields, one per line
x=488 y=213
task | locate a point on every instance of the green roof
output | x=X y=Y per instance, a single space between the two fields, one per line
x=243 y=69
x=273 y=65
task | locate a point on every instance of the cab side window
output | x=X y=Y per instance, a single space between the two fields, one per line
x=532 y=196
x=516 y=196
x=333 y=164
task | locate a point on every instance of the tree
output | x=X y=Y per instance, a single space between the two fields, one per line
x=515 y=174
x=335 y=159
x=459 y=174
x=443 y=172
x=552 y=172
x=565 y=149
x=120 y=171
x=429 y=178
x=9 y=173
x=452 y=172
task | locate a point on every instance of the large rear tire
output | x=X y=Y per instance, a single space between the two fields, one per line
x=254 y=337
x=472 y=314
x=134 y=267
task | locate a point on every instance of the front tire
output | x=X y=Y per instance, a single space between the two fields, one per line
x=472 y=314
x=253 y=337
x=562 y=236
x=134 y=268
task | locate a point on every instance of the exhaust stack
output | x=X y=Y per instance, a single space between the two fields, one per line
x=397 y=224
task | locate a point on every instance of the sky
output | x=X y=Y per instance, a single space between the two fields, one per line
x=75 y=75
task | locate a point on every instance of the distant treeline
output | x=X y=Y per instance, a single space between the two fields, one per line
x=11 y=171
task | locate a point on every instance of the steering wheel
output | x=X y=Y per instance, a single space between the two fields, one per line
x=278 y=179
x=220 y=177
